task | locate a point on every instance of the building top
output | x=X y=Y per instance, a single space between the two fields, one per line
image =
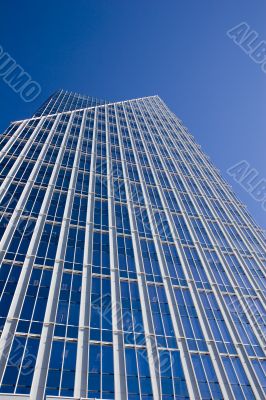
x=63 y=100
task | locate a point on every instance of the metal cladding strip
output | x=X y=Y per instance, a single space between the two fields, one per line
x=223 y=307
x=153 y=357
x=12 y=396
x=236 y=226
x=174 y=310
x=82 y=361
x=51 y=397
x=19 y=159
x=253 y=283
x=43 y=356
x=17 y=301
x=117 y=316
x=24 y=196
x=214 y=353
x=12 y=138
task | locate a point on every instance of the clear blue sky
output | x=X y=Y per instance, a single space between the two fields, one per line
x=123 y=49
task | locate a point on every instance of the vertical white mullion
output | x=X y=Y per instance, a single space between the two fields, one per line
x=82 y=361
x=12 y=138
x=24 y=196
x=42 y=361
x=59 y=105
x=153 y=357
x=174 y=310
x=18 y=296
x=241 y=350
x=19 y=159
x=117 y=318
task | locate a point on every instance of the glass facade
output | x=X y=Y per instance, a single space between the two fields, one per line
x=67 y=101
x=129 y=270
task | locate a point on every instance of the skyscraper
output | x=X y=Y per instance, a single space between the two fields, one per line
x=129 y=269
